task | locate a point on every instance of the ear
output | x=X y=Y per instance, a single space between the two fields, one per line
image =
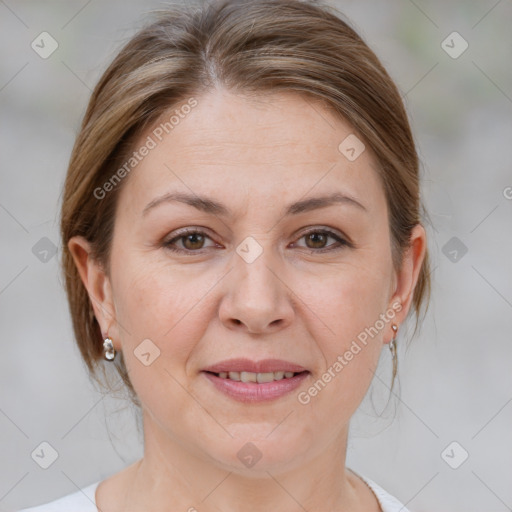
x=98 y=287
x=406 y=279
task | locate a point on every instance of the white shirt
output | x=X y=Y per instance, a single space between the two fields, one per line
x=84 y=500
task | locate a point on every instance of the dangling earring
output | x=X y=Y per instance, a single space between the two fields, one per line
x=108 y=349
x=392 y=348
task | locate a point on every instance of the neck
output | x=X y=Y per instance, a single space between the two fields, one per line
x=176 y=477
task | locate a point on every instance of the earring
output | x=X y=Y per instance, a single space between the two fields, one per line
x=108 y=350
x=392 y=348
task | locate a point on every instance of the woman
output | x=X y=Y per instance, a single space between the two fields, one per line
x=242 y=236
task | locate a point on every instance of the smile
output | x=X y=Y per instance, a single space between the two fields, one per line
x=256 y=377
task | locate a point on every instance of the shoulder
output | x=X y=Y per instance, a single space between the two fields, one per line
x=387 y=502
x=80 y=501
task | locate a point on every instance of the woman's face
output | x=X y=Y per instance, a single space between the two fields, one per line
x=253 y=283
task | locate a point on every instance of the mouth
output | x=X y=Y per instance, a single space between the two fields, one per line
x=249 y=381
x=259 y=378
x=246 y=380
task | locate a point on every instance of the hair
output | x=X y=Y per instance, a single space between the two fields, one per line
x=249 y=47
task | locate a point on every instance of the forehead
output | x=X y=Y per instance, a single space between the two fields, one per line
x=278 y=145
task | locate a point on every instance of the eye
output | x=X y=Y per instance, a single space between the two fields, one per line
x=317 y=238
x=192 y=240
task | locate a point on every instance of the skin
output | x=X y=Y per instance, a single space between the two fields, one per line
x=255 y=156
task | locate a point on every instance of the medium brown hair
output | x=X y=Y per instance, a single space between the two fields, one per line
x=251 y=47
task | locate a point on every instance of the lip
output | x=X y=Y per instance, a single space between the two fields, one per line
x=250 y=392
x=247 y=365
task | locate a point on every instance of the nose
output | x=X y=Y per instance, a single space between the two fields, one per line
x=256 y=299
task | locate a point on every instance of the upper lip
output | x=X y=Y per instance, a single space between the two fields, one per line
x=247 y=365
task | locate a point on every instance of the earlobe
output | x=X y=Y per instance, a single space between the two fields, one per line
x=95 y=281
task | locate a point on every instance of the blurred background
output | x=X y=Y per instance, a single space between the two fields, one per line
x=444 y=440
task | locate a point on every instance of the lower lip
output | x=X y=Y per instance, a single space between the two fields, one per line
x=255 y=392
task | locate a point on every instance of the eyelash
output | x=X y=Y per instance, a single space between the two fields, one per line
x=168 y=244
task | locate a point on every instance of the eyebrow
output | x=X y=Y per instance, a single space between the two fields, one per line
x=208 y=205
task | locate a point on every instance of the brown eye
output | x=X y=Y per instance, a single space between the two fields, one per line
x=316 y=241
x=191 y=241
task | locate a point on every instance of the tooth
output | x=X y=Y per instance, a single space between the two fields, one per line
x=247 y=377
x=256 y=377
x=265 y=377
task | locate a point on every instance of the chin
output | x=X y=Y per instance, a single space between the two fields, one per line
x=254 y=456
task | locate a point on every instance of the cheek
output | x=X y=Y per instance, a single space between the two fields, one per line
x=348 y=313
x=349 y=348
x=345 y=301
x=161 y=306
x=158 y=302
x=362 y=299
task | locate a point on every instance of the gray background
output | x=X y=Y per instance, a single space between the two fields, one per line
x=455 y=380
